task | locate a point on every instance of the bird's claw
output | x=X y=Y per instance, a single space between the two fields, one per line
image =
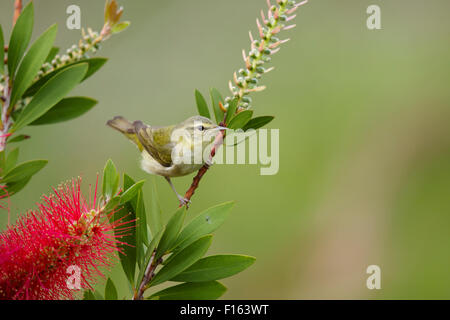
x=208 y=163
x=184 y=201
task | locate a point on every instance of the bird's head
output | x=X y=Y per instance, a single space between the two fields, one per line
x=198 y=129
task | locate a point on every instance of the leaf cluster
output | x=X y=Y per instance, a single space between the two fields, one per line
x=174 y=251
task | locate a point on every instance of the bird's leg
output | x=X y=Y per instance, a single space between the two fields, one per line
x=183 y=201
x=208 y=163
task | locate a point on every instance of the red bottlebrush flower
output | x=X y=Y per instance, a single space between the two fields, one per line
x=36 y=254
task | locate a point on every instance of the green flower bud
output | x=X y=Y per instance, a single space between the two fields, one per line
x=243 y=72
x=260 y=69
x=274 y=39
x=247 y=99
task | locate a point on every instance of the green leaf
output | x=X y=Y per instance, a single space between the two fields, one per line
x=19 y=138
x=50 y=94
x=173 y=228
x=112 y=203
x=154 y=217
x=183 y=260
x=67 y=109
x=202 y=106
x=11 y=159
x=232 y=106
x=240 y=120
x=209 y=290
x=94 y=64
x=128 y=256
x=110 y=290
x=20 y=38
x=14 y=187
x=216 y=97
x=215 y=268
x=137 y=203
x=32 y=62
x=258 y=122
x=131 y=192
x=110 y=183
x=2 y=160
x=148 y=255
x=120 y=27
x=141 y=226
x=52 y=54
x=24 y=170
x=2 y=52
x=205 y=223
x=88 y=295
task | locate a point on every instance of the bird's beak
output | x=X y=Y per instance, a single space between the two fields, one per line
x=222 y=128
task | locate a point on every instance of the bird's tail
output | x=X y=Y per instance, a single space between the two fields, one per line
x=121 y=124
x=126 y=127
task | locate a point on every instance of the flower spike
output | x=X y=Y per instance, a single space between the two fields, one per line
x=261 y=49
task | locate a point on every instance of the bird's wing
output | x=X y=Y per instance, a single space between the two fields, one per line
x=156 y=141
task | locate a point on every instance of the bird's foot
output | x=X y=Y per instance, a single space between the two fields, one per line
x=184 y=201
x=208 y=163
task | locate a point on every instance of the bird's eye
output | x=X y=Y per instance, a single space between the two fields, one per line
x=201 y=128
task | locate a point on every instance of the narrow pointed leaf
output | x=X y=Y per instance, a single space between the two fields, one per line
x=205 y=223
x=50 y=94
x=110 y=183
x=183 y=260
x=65 y=110
x=231 y=110
x=202 y=106
x=173 y=228
x=94 y=64
x=210 y=290
x=32 y=62
x=240 y=120
x=128 y=257
x=215 y=268
x=216 y=97
x=257 y=122
x=88 y=295
x=24 y=170
x=121 y=26
x=131 y=192
x=154 y=212
x=14 y=187
x=110 y=290
x=52 y=54
x=2 y=52
x=18 y=138
x=141 y=226
x=2 y=159
x=11 y=159
x=20 y=38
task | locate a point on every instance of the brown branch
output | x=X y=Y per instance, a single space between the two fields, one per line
x=196 y=181
x=148 y=276
x=17 y=10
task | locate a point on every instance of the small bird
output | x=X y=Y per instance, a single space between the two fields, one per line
x=171 y=151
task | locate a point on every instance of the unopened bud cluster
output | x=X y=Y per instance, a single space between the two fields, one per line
x=246 y=80
x=89 y=43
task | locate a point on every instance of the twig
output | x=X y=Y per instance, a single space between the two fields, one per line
x=195 y=182
x=258 y=55
x=17 y=10
x=148 y=276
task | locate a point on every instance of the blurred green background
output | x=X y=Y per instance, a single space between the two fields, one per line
x=364 y=119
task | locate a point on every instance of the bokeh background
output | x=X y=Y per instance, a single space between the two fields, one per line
x=364 y=119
